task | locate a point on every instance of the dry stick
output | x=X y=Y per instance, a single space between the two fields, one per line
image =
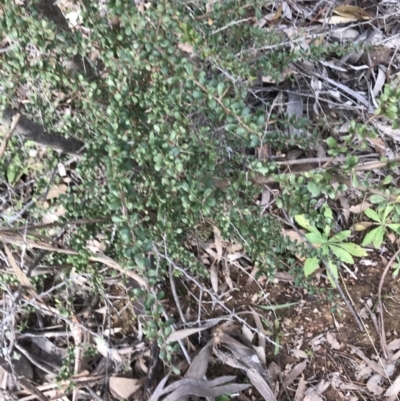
x=383 y=335
x=19 y=240
x=7 y=136
x=346 y=301
x=55 y=224
x=174 y=293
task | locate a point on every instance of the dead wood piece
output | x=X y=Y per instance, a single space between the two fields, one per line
x=35 y=132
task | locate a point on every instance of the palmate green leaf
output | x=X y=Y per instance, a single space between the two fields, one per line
x=377 y=199
x=374 y=237
x=339 y=237
x=303 y=222
x=353 y=249
x=310 y=265
x=343 y=255
x=316 y=238
x=334 y=271
x=372 y=215
x=394 y=226
x=387 y=211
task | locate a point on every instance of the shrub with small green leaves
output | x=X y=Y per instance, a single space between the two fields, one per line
x=166 y=118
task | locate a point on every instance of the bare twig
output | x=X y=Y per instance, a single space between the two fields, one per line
x=7 y=136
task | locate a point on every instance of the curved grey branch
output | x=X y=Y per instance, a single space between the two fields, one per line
x=35 y=132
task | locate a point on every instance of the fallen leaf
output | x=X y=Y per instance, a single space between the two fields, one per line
x=394 y=388
x=336 y=19
x=186 y=47
x=123 y=388
x=56 y=190
x=21 y=276
x=218 y=242
x=361 y=226
x=352 y=12
x=106 y=351
x=293 y=235
x=373 y=384
x=298 y=353
x=181 y=334
x=379 y=145
x=345 y=205
x=380 y=81
x=333 y=342
x=359 y=208
x=198 y=367
x=214 y=277
x=295 y=373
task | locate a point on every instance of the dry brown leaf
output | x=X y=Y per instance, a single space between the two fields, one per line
x=233 y=248
x=227 y=276
x=122 y=387
x=185 y=387
x=373 y=384
x=372 y=364
x=312 y=395
x=295 y=372
x=199 y=365
x=300 y=391
x=265 y=197
x=21 y=276
x=261 y=385
x=379 y=145
x=299 y=353
x=345 y=205
x=293 y=235
x=56 y=190
x=337 y=19
x=380 y=81
x=106 y=351
x=181 y=334
x=257 y=320
x=186 y=47
x=214 y=277
x=361 y=226
x=388 y=130
x=218 y=242
x=333 y=342
x=53 y=214
x=352 y=12
x=76 y=330
x=394 y=388
x=360 y=207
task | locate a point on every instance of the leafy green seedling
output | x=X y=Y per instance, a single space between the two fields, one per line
x=396 y=267
x=335 y=245
x=381 y=218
